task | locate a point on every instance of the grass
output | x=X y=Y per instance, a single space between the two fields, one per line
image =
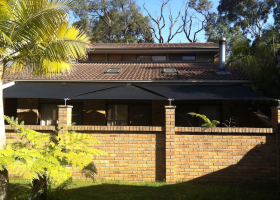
x=110 y=190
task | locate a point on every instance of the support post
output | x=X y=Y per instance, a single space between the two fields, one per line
x=275 y=121
x=170 y=143
x=64 y=116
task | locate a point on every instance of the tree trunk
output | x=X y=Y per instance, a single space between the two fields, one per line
x=2 y=125
x=4 y=180
x=39 y=188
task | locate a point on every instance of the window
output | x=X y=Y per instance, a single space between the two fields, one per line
x=49 y=114
x=169 y=71
x=114 y=57
x=128 y=115
x=144 y=58
x=182 y=57
x=158 y=58
x=113 y=71
x=96 y=57
x=183 y=120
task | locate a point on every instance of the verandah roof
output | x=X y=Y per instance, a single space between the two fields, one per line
x=133 y=91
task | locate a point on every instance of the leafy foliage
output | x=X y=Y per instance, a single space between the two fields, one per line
x=42 y=154
x=259 y=61
x=218 y=27
x=208 y=122
x=36 y=36
x=113 y=21
x=250 y=15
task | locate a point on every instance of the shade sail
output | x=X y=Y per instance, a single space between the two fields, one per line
x=52 y=90
x=122 y=91
x=205 y=92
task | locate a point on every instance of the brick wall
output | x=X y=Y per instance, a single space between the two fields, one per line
x=225 y=155
x=206 y=155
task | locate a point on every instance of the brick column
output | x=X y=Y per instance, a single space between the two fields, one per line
x=275 y=122
x=170 y=143
x=64 y=116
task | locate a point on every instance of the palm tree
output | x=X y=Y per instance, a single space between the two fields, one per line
x=36 y=36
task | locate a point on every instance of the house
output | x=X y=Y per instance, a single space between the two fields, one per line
x=129 y=85
x=122 y=96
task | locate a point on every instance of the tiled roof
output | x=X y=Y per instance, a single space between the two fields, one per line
x=139 y=72
x=153 y=45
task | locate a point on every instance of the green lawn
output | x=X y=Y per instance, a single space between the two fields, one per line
x=82 y=190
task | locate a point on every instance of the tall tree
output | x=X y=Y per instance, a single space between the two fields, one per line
x=196 y=17
x=36 y=36
x=250 y=15
x=259 y=60
x=219 y=26
x=113 y=21
x=159 y=23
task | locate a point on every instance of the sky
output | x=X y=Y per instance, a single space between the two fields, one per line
x=154 y=8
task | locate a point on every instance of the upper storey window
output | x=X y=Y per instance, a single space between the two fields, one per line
x=182 y=57
x=96 y=57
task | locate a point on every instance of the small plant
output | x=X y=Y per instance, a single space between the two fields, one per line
x=41 y=157
x=229 y=123
x=207 y=121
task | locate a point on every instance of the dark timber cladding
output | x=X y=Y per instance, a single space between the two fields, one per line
x=130 y=91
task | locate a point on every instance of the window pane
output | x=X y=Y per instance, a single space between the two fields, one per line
x=211 y=112
x=188 y=57
x=113 y=57
x=117 y=115
x=175 y=57
x=182 y=119
x=159 y=58
x=49 y=114
x=144 y=58
x=139 y=115
x=77 y=114
x=95 y=57
x=129 y=58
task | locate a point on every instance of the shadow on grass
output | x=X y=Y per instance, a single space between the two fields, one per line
x=18 y=188
x=179 y=191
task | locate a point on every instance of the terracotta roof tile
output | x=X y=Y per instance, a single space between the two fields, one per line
x=138 y=71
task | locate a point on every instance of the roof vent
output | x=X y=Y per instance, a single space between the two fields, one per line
x=169 y=71
x=113 y=71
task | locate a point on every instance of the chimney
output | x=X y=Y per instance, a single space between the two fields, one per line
x=222 y=53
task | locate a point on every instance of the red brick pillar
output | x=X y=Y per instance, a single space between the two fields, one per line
x=170 y=143
x=64 y=116
x=275 y=121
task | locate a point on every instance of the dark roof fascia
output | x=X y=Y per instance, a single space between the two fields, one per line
x=213 y=82
x=164 y=50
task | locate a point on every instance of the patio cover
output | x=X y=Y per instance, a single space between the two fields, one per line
x=123 y=91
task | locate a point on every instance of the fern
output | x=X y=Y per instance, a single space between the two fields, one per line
x=207 y=122
x=45 y=155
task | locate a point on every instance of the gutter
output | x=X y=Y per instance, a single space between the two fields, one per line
x=141 y=81
x=131 y=51
x=8 y=85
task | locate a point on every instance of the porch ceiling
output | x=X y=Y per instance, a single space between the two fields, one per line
x=130 y=91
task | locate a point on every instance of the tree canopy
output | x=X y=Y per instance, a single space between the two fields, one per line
x=117 y=21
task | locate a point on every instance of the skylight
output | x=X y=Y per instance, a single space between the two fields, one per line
x=113 y=71
x=169 y=71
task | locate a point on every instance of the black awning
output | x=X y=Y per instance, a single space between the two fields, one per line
x=131 y=92
x=205 y=92
x=48 y=90
x=122 y=92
